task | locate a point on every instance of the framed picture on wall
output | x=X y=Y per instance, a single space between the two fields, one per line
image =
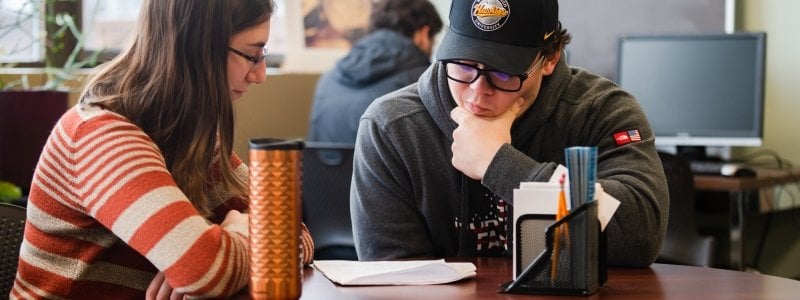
x=319 y=32
x=334 y=24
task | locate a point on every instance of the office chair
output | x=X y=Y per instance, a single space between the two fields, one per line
x=327 y=170
x=12 y=224
x=683 y=245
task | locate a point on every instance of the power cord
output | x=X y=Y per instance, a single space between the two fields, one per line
x=773 y=160
x=754 y=157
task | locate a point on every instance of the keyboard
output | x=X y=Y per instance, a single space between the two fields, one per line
x=707 y=167
x=721 y=168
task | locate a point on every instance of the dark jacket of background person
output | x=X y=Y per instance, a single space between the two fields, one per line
x=394 y=54
x=379 y=63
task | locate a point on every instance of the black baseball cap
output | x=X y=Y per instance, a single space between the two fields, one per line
x=503 y=34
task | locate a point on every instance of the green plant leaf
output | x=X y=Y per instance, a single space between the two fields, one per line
x=9 y=191
x=62 y=25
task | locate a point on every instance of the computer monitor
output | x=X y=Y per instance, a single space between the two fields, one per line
x=698 y=90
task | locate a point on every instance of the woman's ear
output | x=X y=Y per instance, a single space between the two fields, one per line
x=550 y=63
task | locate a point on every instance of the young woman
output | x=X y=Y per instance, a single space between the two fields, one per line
x=137 y=192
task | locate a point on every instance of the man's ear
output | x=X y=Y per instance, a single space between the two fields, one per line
x=550 y=63
x=423 y=40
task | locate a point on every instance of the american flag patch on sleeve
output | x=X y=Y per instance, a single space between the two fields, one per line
x=626 y=137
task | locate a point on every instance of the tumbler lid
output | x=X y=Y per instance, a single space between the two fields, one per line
x=276 y=144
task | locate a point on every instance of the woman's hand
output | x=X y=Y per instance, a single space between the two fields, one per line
x=160 y=289
x=235 y=218
x=236 y=222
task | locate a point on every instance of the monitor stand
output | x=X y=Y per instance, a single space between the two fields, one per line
x=703 y=153
x=692 y=153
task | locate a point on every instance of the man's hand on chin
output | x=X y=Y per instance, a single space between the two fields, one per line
x=477 y=139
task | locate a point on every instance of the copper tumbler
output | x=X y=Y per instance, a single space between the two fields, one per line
x=275 y=254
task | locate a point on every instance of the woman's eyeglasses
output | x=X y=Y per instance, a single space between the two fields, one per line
x=254 y=59
x=467 y=73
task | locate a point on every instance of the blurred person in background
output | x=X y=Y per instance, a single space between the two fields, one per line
x=394 y=54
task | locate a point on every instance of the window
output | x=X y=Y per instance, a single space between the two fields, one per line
x=108 y=24
x=20 y=29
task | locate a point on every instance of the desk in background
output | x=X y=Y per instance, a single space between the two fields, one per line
x=740 y=190
x=660 y=281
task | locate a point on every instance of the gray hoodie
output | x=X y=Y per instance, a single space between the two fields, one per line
x=406 y=197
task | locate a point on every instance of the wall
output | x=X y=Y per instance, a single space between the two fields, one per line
x=781 y=251
x=279 y=108
x=778 y=18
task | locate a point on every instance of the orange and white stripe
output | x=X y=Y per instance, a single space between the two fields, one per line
x=105 y=215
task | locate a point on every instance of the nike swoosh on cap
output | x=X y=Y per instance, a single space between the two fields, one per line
x=548 y=34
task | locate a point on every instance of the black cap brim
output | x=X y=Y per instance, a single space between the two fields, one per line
x=506 y=58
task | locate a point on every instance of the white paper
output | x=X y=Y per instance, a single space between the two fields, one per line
x=542 y=198
x=539 y=198
x=556 y=177
x=606 y=206
x=533 y=198
x=413 y=272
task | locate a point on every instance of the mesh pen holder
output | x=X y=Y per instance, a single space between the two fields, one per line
x=573 y=262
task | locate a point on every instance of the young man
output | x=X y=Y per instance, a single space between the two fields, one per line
x=436 y=162
x=393 y=55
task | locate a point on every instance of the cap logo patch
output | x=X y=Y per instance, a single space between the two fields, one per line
x=490 y=15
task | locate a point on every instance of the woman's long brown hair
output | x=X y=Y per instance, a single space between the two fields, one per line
x=172 y=82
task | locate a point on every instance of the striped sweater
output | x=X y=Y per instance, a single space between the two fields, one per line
x=105 y=215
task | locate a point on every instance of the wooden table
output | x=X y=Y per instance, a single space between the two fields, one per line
x=660 y=281
x=739 y=190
